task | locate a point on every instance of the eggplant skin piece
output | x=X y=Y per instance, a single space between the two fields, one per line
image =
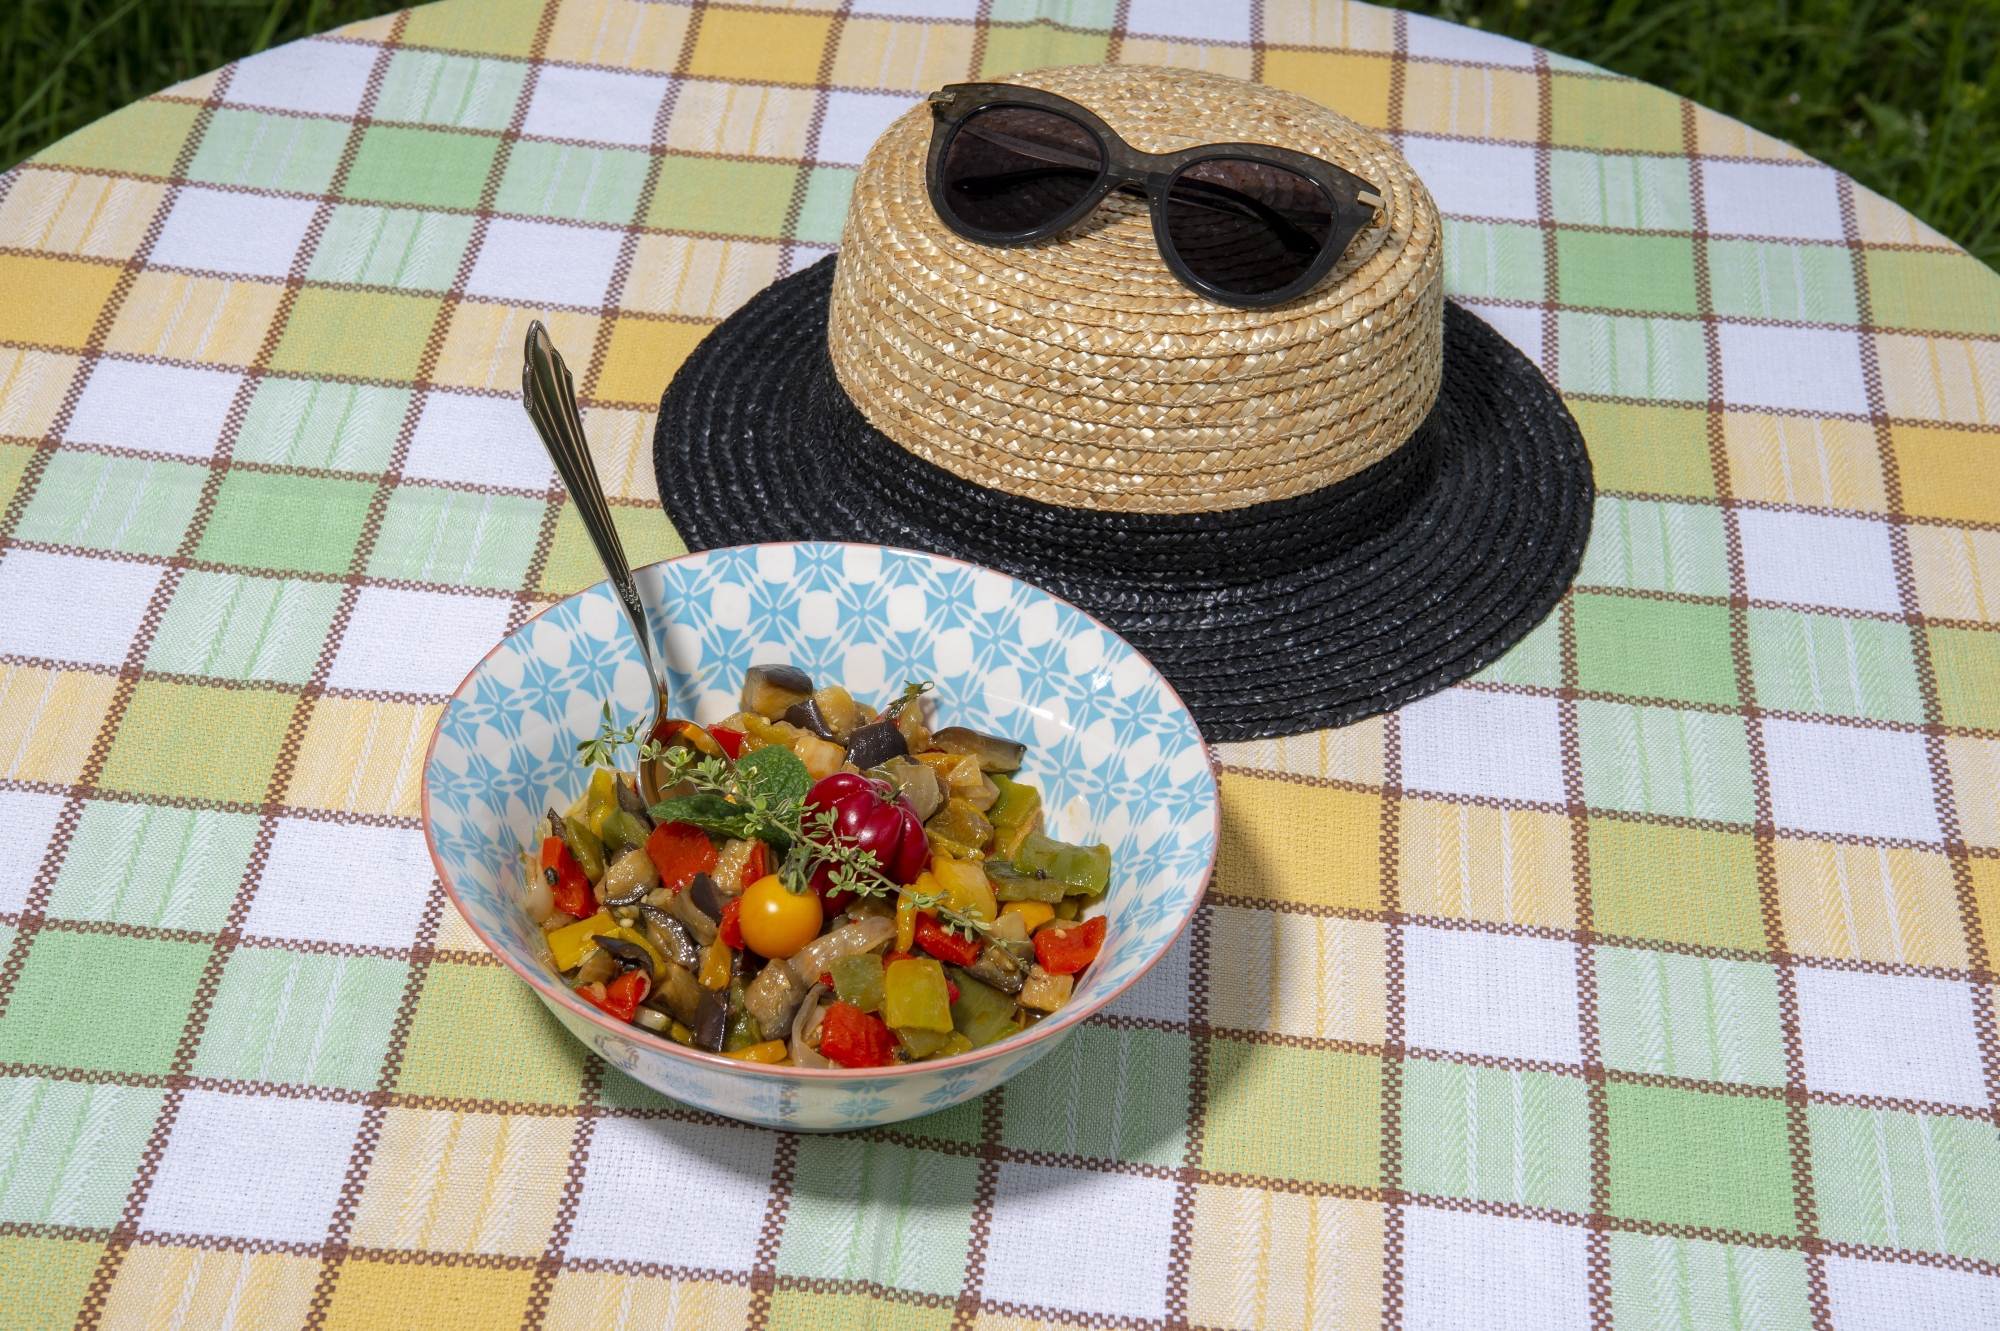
x=629 y=956
x=875 y=744
x=711 y=1022
x=994 y=754
x=706 y=897
x=790 y=678
x=807 y=716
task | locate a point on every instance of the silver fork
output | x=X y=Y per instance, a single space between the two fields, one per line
x=550 y=396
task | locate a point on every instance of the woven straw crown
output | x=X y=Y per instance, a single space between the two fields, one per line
x=1079 y=371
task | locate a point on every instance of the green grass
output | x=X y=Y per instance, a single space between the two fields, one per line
x=1904 y=98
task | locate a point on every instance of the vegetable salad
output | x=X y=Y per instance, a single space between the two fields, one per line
x=820 y=884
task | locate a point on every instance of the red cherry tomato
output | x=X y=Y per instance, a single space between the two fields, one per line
x=870 y=816
x=1065 y=949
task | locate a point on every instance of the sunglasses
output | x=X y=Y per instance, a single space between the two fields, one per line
x=1244 y=224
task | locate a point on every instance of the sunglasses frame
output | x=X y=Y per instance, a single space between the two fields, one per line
x=1354 y=201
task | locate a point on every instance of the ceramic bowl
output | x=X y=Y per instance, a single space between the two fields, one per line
x=1116 y=755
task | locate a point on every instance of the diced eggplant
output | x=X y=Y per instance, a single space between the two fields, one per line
x=994 y=754
x=711 y=1020
x=671 y=937
x=707 y=897
x=771 y=690
x=596 y=967
x=702 y=926
x=677 y=992
x=1045 y=992
x=629 y=956
x=839 y=710
x=872 y=745
x=773 y=997
x=1004 y=966
x=807 y=716
x=627 y=882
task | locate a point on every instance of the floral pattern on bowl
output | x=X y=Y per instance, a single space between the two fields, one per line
x=1116 y=755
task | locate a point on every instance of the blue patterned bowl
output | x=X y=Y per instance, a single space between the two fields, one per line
x=1116 y=755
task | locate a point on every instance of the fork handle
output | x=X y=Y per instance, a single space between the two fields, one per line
x=550 y=397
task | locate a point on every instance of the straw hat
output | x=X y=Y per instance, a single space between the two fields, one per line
x=1303 y=514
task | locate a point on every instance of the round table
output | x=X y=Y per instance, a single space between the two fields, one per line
x=1646 y=978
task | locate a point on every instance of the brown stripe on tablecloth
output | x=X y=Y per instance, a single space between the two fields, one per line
x=1114 y=46
x=777 y=1210
x=368 y=1136
x=809 y=150
x=1257 y=47
x=92 y=1309
x=1394 y=1022
x=1798 y=1129
x=1944 y=796
x=1589 y=1044
x=982 y=22
x=46 y=445
x=588 y=1110
x=1545 y=216
x=1399 y=77
x=335 y=1251
x=1180 y=1249
x=966 y=1307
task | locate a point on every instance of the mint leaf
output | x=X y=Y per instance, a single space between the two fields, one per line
x=776 y=774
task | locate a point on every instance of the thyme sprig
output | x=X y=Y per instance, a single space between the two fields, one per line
x=601 y=750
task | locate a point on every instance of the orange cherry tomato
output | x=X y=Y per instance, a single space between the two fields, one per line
x=777 y=923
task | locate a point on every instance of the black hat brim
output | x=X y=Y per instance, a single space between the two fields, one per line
x=1269 y=620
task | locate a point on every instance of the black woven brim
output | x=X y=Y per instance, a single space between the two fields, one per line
x=1270 y=620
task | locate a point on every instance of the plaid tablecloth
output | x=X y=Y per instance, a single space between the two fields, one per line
x=1646 y=980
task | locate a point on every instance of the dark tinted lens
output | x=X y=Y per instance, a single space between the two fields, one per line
x=1247 y=227
x=1011 y=169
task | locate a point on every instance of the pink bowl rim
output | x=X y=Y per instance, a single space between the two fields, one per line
x=560 y=995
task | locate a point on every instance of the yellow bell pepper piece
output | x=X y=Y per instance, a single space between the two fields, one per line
x=1034 y=914
x=914 y=996
x=906 y=916
x=964 y=885
x=572 y=941
x=957 y=1044
x=770 y=1051
x=715 y=966
x=603 y=798
x=680 y=1034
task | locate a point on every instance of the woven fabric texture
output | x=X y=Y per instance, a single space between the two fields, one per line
x=1645 y=980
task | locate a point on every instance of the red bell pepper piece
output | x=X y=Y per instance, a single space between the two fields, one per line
x=680 y=851
x=951 y=991
x=566 y=879
x=891 y=958
x=1065 y=949
x=854 y=1039
x=945 y=945
x=730 y=930
x=756 y=866
x=826 y=978
x=620 y=998
x=731 y=741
